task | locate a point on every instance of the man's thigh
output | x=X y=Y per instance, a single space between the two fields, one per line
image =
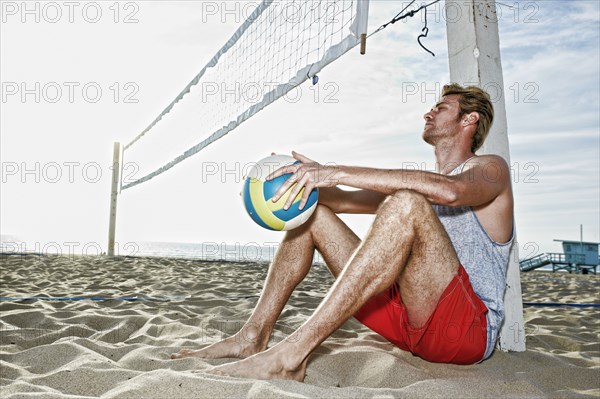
x=431 y=266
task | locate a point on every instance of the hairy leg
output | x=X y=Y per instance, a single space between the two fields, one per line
x=402 y=241
x=325 y=232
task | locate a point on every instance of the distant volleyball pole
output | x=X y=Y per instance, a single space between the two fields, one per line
x=114 y=193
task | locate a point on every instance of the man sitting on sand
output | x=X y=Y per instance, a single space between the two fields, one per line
x=430 y=274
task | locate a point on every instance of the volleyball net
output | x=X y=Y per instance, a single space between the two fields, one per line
x=279 y=46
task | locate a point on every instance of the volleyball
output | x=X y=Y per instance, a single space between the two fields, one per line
x=257 y=193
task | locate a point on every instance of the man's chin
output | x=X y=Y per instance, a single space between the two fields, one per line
x=426 y=137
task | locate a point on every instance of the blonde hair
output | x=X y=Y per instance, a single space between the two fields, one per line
x=473 y=99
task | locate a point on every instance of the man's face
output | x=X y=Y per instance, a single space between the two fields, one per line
x=442 y=120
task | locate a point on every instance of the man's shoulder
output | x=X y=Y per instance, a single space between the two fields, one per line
x=487 y=159
x=490 y=164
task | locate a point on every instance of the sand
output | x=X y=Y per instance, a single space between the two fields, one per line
x=120 y=349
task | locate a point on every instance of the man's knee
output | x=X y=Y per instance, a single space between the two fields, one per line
x=408 y=202
x=321 y=215
x=322 y=211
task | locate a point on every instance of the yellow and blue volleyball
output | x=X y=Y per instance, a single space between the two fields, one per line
x=257 y=194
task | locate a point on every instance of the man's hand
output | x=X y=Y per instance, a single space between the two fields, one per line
x=307 y=174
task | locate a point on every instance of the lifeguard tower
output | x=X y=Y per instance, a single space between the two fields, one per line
x=577 y=257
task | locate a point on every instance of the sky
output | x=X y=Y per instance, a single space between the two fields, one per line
x=77 y=77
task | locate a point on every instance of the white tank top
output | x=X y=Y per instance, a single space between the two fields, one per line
x=485 y=260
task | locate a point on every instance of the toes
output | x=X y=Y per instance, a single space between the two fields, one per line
x=181 y=354
x=214 y=371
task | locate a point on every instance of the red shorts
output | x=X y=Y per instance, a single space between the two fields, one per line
x=455 y=332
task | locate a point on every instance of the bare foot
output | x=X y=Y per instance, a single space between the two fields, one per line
x=230 y=347
x=268 y=365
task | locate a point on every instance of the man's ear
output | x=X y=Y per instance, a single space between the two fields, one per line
x=470 y=118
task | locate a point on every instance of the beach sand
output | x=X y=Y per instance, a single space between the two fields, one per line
x=120 y=349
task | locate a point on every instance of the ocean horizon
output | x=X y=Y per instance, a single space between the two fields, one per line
x=209 y=251
x=206 y=251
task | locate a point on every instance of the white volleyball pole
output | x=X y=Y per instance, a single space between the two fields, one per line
x=474 y=57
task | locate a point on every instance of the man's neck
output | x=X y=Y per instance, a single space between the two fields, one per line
x=448 y=157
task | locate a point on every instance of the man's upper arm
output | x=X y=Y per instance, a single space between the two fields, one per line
x=483 y=180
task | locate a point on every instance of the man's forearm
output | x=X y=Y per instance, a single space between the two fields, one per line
x=437 y=188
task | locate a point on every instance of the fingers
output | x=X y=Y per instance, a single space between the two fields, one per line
x=301 y=157
x=295 y=182
x=300 y=179
x=295 y=191
x=284 y=170
x=305 y=187
x=283 y=189
x=290 y=168
x=307 y=191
